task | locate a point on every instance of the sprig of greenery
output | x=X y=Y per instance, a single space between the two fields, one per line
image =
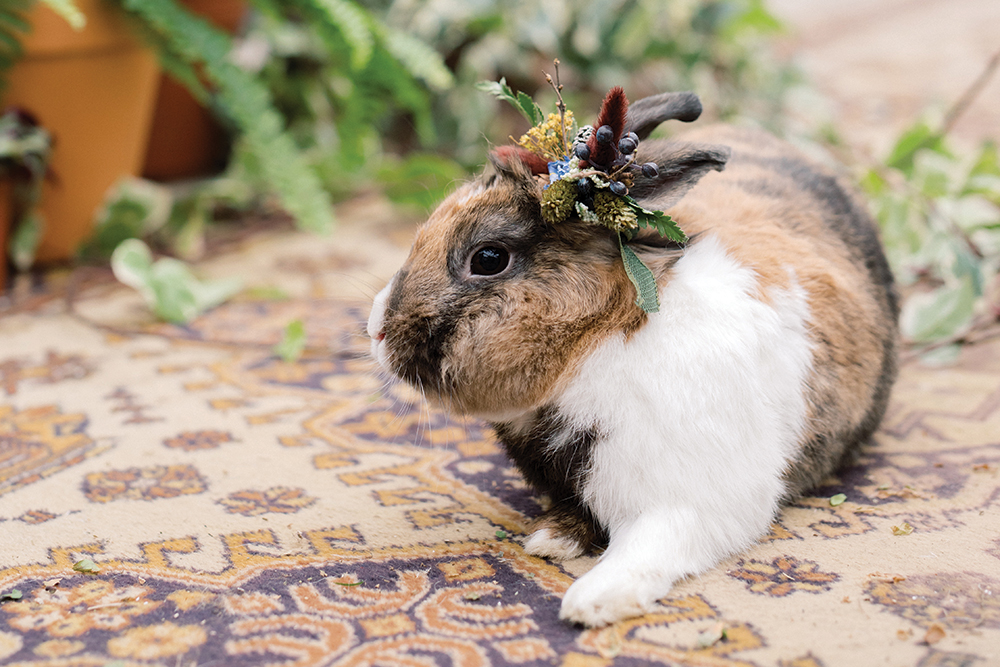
x=247 y=102
x=647 y=293
x=521 y=101
x=658 y=220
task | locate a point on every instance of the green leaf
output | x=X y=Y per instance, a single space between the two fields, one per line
x=293 y=342
x=837 y=500
x=917 y=138
x=168 y=286
x=86 y=566
x=647 y=296
x=939 y=314
x=501 y=535
x=658 y=220
x=24 y=241
x=69 y=11
x=419 y=59
x=12 y=595
x=522 y=102
x=531 y=110
x=352 y=22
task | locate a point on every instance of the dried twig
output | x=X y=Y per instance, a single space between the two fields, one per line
x=969 y=96
x=560 y=104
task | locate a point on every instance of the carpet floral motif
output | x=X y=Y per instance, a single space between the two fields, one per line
x=782 y=576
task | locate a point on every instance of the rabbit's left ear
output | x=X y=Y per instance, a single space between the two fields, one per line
x=681 y=165
x=645 y=115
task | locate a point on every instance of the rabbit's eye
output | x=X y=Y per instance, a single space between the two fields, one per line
x=489 y=261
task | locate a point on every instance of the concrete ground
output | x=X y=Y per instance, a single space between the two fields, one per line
x=881 y=64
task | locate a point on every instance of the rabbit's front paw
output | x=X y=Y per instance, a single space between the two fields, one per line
x=602 y=597
x=548 y=543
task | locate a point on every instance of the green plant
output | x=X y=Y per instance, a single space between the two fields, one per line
x=716 y=47
x=24 y=158
x=340 y=77
x=939 y=212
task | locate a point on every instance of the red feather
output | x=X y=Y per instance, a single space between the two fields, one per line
x=535 y=162
x=613 y=113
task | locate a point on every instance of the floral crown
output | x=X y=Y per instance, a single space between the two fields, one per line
x=591 y=174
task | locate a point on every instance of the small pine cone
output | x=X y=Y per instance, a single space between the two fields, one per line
x=613 y=212
x=558 y=201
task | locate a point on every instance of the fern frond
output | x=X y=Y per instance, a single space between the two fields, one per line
x=353 y=24
x=12 y=23
x=419 y=59
x=248 y=104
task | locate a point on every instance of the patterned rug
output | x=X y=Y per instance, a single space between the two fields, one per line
x=236 y=509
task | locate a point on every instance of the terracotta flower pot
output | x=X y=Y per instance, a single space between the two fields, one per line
x=94 y=91
x=186 y=140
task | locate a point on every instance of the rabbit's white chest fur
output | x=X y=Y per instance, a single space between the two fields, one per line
x=698 y=415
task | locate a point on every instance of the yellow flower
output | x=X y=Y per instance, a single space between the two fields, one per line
x=157 y=641
x=546 y=139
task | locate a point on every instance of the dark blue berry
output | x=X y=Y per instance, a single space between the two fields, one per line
x=633 y=136
x=584 y=187
x=627 y=146
x=650 y=170
x=618 y=188
x=605 y=135
x=582 y=151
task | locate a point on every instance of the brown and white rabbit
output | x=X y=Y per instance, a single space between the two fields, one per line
x=669 y=438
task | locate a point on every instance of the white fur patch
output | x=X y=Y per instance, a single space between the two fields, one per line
x=375 y=320
x=699 y=415
x=546 y=544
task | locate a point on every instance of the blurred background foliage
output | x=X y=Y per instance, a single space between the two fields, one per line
x=380 y=95
x=411 y=118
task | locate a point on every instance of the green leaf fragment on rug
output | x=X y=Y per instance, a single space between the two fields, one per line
x=293 y=342
x=905 y=529
x=501 y=535
x=12 y=595
x=712 y=636
x=168 y=286
x=86 y=566
x=837 y=499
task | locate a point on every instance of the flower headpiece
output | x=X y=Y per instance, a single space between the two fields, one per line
x=590 y=176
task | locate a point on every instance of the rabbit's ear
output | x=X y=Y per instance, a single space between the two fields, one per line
x=681 y=165
x=646 y=114
x=518 y=162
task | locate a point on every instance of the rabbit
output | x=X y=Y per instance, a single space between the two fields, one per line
x=669 y=440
